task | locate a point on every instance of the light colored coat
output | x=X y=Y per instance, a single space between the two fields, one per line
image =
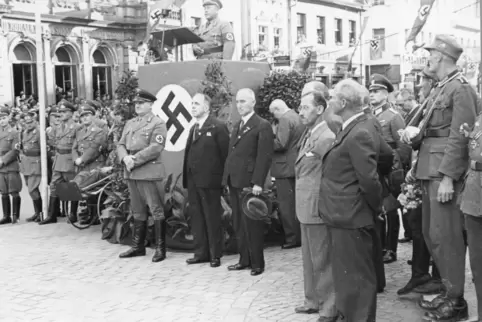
x=308 y=172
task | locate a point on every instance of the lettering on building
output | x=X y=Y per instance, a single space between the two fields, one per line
x=11 y=26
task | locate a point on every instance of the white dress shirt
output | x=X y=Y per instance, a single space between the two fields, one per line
x=246 y=118
x=202 y=120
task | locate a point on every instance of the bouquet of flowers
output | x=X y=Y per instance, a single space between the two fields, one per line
x=411 y=196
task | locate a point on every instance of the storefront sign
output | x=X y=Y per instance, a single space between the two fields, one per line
x=415 y=62
x=104 y=34
x=281 y=61
x=23 y=27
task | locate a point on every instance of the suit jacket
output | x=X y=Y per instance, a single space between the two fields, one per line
x=455 y=103
x=205 y=156
x=308 y=172
x=350 y=190
x=250 y=154
x=144 y=137
x=286 y=141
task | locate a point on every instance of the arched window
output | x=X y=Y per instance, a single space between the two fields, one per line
x=65 y=73
x=101 y=75
x=24 y=71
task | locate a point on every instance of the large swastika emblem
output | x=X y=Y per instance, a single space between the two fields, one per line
x=173 y=105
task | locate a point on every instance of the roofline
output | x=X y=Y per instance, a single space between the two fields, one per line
x=340 y=4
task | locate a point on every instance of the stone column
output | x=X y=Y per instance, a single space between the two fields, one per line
x=49 y=68
x=87 y=67
x=6 y=76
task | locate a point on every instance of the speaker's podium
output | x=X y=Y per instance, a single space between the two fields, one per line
x=174 y=84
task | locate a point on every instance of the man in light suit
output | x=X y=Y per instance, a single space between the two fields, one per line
x=287 y=133
x=315 y=246
x=249 y=159
x=204 y=158
x=350 y=196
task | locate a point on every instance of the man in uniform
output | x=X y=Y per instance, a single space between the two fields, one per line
x=217 y=34
x=97 y=106
x=10 y=181
x=54 y=121
x=391 y=121
x=287 y=132
x=89 y=141
x=62 y=138
x=31 y=163
x=441 y=165
x=140 y=149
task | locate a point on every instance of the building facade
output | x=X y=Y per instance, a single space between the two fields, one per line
x=456 y=17
x=328 y=31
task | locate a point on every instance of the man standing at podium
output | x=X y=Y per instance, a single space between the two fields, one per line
x=217 y=34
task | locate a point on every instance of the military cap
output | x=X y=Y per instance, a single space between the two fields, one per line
x=378 y=81
x=86 y=109
x=144 y=96
x=54 y=110
x=96 y=105
x=447 y=45
x=29 y=118
x=4 y=111
x=65 y=105
x=213 y=2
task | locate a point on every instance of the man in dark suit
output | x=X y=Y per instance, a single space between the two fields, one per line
x=287 y=133
x=350 y=196
x=204 y=158
x=247 y=165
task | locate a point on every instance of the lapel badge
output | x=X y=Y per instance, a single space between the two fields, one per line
x=473 y=144
x=209 y=134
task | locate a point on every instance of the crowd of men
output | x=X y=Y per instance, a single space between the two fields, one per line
x=338 y=162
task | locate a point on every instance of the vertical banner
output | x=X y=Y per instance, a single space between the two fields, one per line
x=420 y=20
x=375 y=49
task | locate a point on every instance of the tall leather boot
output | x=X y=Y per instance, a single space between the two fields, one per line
x=54 y=209
x=7 y=218
x=138 y=241
x=160 y=235
x=74 y=205
x=37 y=206
x=16 y=202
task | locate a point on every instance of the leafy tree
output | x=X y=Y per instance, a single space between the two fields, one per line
x=126 y=87
x=218 y=87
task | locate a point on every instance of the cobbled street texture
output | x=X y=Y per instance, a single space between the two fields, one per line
x=58 y=273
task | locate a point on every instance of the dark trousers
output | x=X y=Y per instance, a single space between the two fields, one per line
x=205 y=211
x=285 y=188
x=407 y=231
x=420 y=253
x=354 y=273
x=382 y=232
x=378 y=256
x=249 y=233
x=443 y=231
x=393 y=230
x=474 y=239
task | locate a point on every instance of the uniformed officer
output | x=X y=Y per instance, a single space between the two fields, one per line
x=89 y=143
x=140 y=149
x=30 y=165
x=391 y=121
x=54 y=121
x=10 y=181
x=471 y=205
x=442 y=161
x=217 y=34
x=97 y=106
x=62 y=138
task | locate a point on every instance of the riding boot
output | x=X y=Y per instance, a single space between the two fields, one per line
x=7 y=218
x=74 y=205
x=37 y=206
x=138 y=241
x=16 y=202
x=54 y=209
x=160 y=235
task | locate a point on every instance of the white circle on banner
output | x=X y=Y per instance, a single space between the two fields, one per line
x=173 y=105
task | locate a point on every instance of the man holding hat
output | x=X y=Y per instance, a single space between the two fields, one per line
x=62 y=139
x=10 y=181
x=217 y=34
x=391 y=122
x=89 y=141
x=30 y=165
x=442 y=162
x=140 y=149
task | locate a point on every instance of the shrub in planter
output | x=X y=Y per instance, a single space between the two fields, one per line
x=218 y=87
x=286 y=86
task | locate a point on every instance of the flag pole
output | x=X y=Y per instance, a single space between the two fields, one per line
x=480 y=48
x=42 y=115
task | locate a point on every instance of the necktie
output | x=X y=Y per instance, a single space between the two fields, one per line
x=241 y=124
x=195 y=131
x=305 y=140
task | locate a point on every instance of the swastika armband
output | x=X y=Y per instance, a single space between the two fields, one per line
x=159 y=139
x=229 y=36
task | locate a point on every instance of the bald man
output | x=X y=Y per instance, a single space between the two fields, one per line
x=287 y=133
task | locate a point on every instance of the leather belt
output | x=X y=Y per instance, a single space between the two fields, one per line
x=437 y=133
x=213 y=50
x=31 y=153
x=63 y=151
x=476 y=166
x=132 y=152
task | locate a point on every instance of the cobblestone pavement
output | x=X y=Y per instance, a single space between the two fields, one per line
x=58 y=273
